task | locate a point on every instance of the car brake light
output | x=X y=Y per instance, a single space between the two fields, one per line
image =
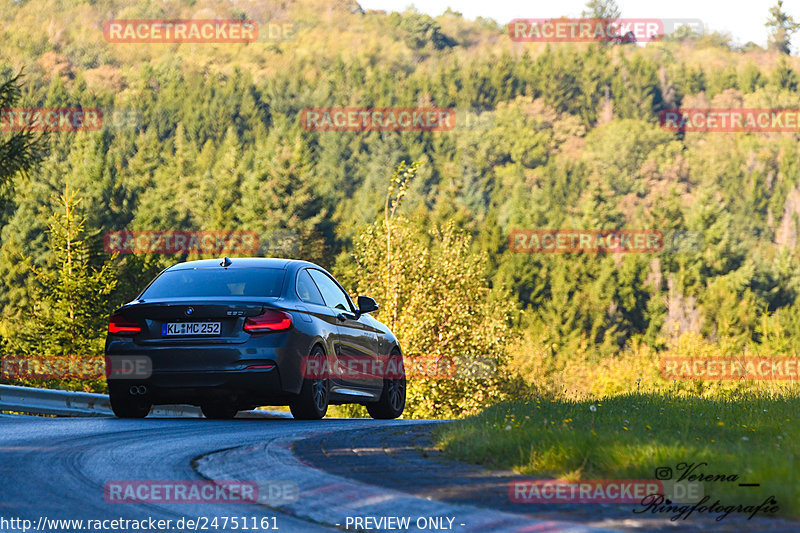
x=119 y=325
x=268 y=321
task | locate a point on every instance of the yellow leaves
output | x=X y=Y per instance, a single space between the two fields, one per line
x=435 y=297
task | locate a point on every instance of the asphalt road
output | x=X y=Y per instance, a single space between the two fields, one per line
x=56 y=468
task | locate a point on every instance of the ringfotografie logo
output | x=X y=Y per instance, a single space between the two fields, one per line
x=698 y=473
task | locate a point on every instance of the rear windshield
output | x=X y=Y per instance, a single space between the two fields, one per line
x=263 y=282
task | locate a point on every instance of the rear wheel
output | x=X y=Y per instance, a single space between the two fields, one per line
x=128 y=407
x=312 y=403
x=219 y=411
x=392 y=401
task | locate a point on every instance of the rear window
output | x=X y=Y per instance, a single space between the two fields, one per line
x=262 y=282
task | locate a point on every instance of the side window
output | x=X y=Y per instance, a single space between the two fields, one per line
x=307 y=290
x=333 y=295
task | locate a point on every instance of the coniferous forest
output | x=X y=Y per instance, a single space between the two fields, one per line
x=559 y=135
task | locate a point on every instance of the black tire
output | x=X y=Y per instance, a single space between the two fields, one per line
x=219 y=411
x=127 y=407
x=392 y=401
x=312 y=402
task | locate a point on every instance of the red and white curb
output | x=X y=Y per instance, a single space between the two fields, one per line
x=336 y=501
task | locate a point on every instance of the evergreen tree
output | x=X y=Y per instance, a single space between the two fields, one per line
x=68 y=315
x=781 y=26
x=21 y=149
x=279 y=198
x=602 y=9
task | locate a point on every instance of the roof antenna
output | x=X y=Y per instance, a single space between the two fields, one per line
x=225 y=263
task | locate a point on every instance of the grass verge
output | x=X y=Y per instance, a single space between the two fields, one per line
x=753 y=436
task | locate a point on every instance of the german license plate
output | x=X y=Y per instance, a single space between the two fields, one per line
x=190 y=328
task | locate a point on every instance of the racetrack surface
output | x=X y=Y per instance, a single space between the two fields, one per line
x=56 y=468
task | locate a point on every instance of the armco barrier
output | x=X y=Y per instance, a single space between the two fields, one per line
x=70 y=403
x=35 y=401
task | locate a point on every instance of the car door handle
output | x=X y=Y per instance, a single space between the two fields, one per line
x=341 y=317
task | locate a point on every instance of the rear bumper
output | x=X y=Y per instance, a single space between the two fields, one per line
x=196 y=369
x=246 y=388
x=191 y=372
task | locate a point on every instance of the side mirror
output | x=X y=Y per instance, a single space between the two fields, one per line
x=366 y=305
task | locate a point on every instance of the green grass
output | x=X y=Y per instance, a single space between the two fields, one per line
x=755 y=436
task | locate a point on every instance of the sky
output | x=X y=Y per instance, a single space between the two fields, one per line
x=742 y=19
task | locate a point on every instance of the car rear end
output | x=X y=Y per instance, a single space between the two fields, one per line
x=205 y=333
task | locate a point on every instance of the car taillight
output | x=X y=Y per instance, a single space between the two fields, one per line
x=268 y=321
x=119 y=325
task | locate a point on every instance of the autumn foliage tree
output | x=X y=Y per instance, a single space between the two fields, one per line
x=434 y=294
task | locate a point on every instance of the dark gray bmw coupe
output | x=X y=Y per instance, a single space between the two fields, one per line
x=233 y=334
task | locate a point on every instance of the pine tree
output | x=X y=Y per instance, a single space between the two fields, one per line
x=20 y=150
x=602 y=9
x=280 y=199
x=781 y=26
x=72 y=297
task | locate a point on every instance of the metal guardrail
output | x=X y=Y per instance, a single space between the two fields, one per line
x=30 y=400
x=71 y=403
